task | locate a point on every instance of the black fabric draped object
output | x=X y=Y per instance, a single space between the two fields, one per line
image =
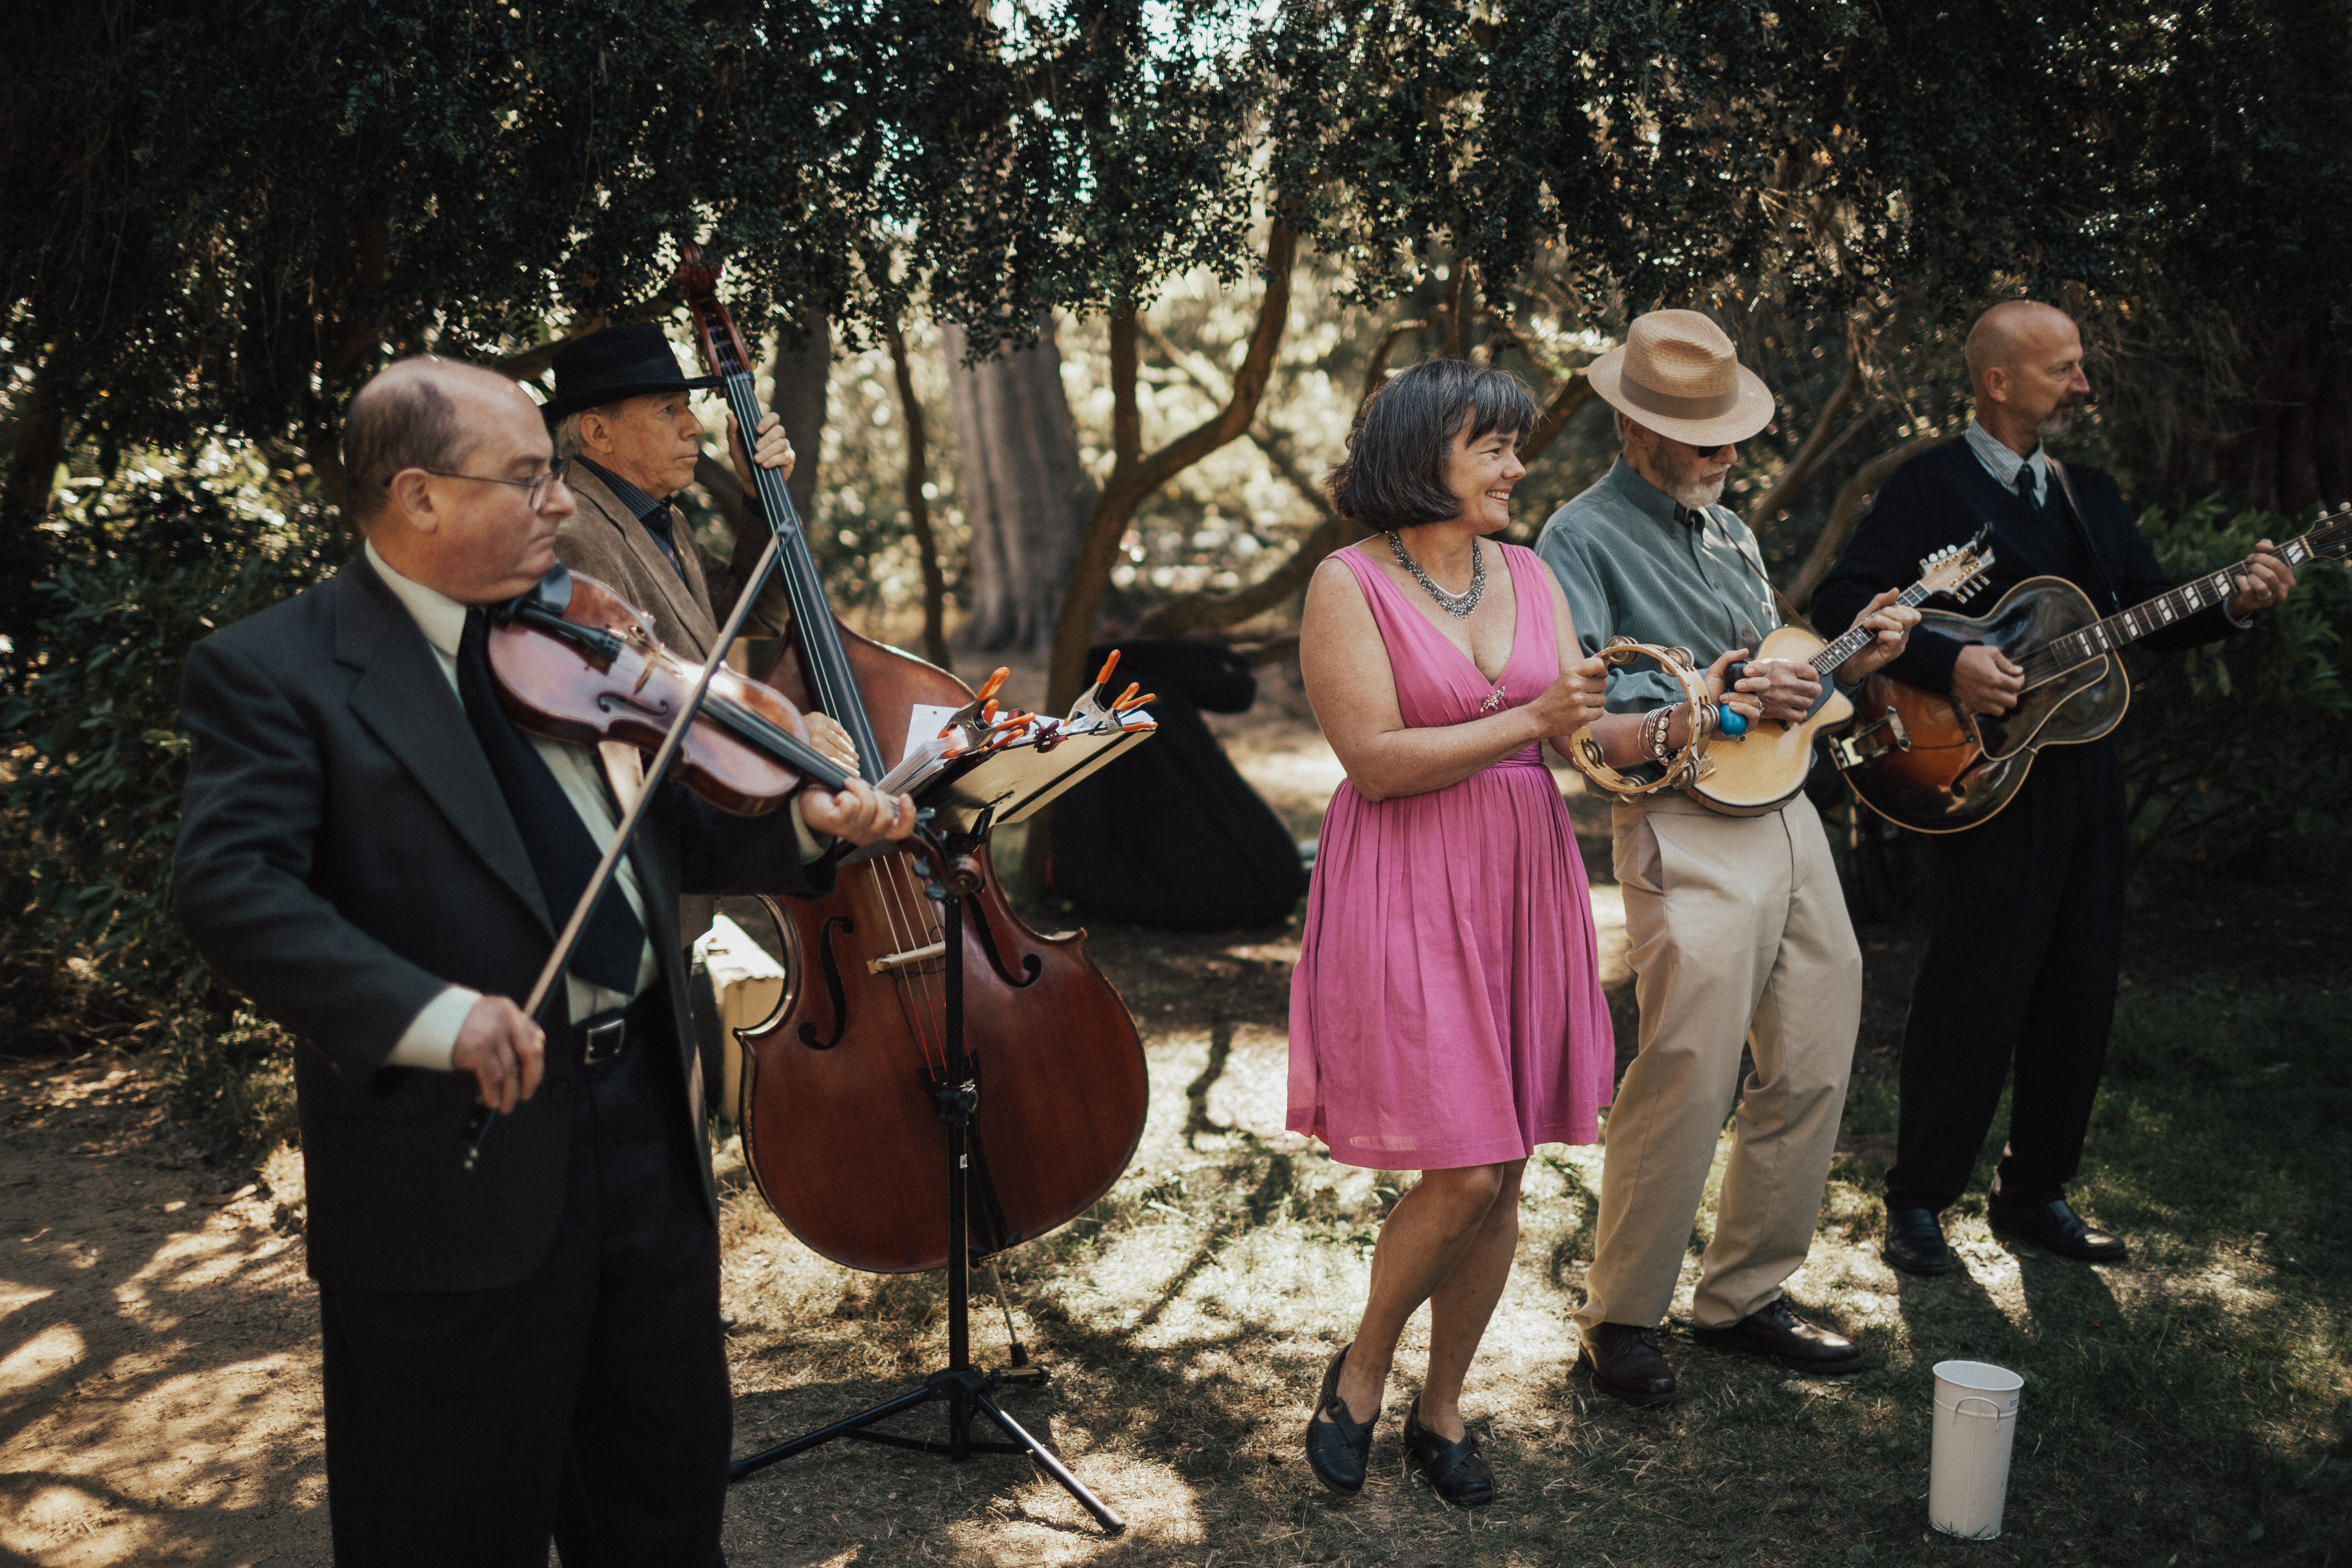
x=1171 y=835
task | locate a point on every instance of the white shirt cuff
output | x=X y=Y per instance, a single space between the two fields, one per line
x=812 y=846
x=431 y=1038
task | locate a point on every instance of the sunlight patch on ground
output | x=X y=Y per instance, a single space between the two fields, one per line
x=44 y=1355
x=1037 y=1523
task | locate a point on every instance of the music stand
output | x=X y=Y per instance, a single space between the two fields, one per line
x=955 y=829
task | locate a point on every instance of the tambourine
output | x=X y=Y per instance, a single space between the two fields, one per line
x=1691 y=763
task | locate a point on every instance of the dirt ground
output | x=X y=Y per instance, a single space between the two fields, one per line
x=159 y=1348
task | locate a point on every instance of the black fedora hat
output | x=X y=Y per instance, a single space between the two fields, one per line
x=613 y=363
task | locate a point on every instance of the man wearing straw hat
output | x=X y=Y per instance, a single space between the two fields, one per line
x=1738 y=925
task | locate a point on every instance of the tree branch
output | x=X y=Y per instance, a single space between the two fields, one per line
x=918 y=508
x=1847 y=509
x=1456 y=328
x=1566 y=404
x=1135 y=474
x=1376 y=370
x=1783 y=494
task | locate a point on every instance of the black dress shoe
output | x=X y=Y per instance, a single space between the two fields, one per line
x=2055 y=1226
x=1774 y=1331
x=1453 y=1470
x=1338 y=1447
x=1915 y=1242
x=1625 y=1364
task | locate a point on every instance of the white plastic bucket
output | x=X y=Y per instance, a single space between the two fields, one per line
x=1976 y=1423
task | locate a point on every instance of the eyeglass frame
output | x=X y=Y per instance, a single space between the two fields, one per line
x=538 y=485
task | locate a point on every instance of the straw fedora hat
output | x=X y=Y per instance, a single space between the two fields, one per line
x=1679 y=375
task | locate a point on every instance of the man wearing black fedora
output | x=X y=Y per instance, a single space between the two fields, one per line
x=1737 y=926
x=620 y=414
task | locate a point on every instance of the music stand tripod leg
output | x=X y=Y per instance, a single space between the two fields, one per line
x=964 y=1389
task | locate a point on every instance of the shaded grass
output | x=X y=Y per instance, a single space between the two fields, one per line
x=2191 y=1405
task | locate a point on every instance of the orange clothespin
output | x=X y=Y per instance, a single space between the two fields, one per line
x=1108 y=664
x=1131 y=700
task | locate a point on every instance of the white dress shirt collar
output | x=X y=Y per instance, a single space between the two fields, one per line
x=2003 y=464
x=441 y=618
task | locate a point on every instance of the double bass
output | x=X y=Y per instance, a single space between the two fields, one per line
x=840 y=1129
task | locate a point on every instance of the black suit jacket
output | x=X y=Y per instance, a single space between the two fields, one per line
x=1943 y=497
x=344 y=854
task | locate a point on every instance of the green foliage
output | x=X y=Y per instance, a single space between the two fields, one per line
x=94 y=740
x=2229 y=751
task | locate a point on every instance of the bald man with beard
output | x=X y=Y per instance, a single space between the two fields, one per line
x=2021 y=968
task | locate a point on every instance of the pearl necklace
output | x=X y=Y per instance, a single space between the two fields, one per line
x=1458 y=605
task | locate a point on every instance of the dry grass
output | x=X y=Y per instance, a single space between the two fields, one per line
x=2188 y=1407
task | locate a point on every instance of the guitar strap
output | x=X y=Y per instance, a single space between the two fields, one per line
x=2074 y=510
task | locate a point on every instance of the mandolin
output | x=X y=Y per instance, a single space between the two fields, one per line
x=1919 y=761
x=1763 y=769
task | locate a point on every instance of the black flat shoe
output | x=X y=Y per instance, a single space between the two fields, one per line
x=1915 y=1242
x=1625 y=1364
x=1338 y=1447
x=2056 y=1227
x=1453 y=1470
x=1774 y=1331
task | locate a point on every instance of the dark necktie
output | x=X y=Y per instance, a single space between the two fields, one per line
x=2025 y=484
x=562 y=855
x=658 y=520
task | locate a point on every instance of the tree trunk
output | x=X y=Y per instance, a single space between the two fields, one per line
x=32 y=476
x=802 y=374
x=1026 y=497
x=919 y=506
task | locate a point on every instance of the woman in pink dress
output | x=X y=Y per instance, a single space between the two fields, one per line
x=1446 y=1014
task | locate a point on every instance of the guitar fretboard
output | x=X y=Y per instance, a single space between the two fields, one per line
x=1856 y=638
x=2332 y=537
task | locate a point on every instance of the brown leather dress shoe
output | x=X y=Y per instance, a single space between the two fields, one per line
x=1774 y=1331
x=1625 y=1364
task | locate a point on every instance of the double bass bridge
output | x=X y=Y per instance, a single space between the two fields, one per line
x=890 y=960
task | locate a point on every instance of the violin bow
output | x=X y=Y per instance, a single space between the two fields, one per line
x=569 y=938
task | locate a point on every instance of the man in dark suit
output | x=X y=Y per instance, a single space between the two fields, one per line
x=372 y=851
x=2028 y=937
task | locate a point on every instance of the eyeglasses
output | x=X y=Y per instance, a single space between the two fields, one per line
x=536 y=487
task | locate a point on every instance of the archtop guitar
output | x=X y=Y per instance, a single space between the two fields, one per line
x=1763 y=770
x=1916 y=760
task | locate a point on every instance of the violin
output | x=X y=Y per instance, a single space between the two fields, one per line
x=575 y=661
x=840 y=1129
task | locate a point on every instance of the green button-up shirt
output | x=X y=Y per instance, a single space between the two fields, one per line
x=1634 y=563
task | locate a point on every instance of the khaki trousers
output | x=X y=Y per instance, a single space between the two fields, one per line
x=1738 y=931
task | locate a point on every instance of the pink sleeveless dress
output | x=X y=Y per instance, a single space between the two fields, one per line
x=1446 y=1009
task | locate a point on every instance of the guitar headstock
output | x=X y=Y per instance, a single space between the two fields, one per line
x=722 y=347
x=2331 y=536
x=1958 y=570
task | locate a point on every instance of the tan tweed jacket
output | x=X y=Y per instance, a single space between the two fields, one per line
x=602 y=541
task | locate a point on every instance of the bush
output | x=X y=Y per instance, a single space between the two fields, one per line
x=2229 y=751
x=96 y=757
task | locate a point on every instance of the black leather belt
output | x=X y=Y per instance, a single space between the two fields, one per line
x=602 y=1034
x=606 y=1035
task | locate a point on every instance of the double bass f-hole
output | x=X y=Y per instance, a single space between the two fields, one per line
x=1030 y=967
x=830 y=964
